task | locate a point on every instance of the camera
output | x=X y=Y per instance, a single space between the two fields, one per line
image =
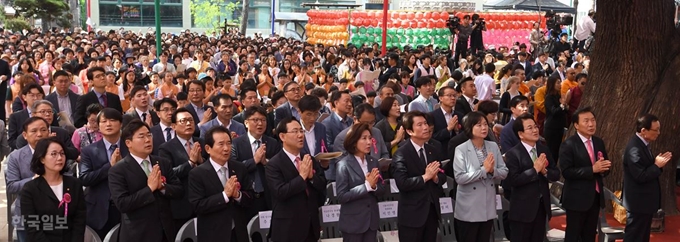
x=554 y=21
x=453 y=24
x=478 y=21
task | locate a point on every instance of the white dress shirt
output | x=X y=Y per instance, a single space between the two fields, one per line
x=217 y=168
x=310 y=139
x=486 y=87
x=364 y=168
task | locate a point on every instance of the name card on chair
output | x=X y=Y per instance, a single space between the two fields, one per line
x=265 y=218
x=446 y=205
x=388 y=209
x=393 y=186
x=331 y=213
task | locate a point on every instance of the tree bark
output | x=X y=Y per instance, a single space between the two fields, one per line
x=244 y=16
x=634 y=72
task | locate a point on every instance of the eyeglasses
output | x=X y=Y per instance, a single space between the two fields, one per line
x=34 y=95
x=45 y=112
x=295 y=90
x=185 y=121
x=57 y=154
x=257 y=120
x=145 y=136
x=450 y=95
x=168 y=110
x=296 y=131
x=195 y=90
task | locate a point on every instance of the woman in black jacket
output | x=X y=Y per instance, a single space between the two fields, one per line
x=390 y=126
x=556 y=115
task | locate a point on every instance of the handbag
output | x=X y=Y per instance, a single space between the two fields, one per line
x=619 y=211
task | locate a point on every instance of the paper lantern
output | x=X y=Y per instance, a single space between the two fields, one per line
x=428 y=16
x=444 y=15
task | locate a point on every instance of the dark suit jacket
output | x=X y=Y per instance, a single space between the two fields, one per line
x=113 y=101
x=18 y=104
x=282 y=112
x=132 y=115
x=175 y=153
x=72 y=97
x=94 y=168
x=528 y=186
x=294 y=212
x=538 y=67
x=16 y=127
x=641 y=188
x=416 y=195
x=5 y=70
x=555 y=116
x=63 y=136
x=528 y=69
x=463 y=106
x=359 y=210
x=334 y=126
x=508 y=137
x=145 y=215
x=215 y=216
x=387 y=132
x=37 y=198
x=577 y=169
x=441 y=134
x=321 y=140
x=242 y=152
x=197 y=131
x=158 y=138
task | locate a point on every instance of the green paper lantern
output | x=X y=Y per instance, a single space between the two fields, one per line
x=353 y=29
x=409 y=32
x=362 y=30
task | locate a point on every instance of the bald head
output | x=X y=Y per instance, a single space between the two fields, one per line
x=571 y=74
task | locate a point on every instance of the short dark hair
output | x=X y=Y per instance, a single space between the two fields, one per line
x=245 y=91
x=459 y=88
x=336 y=95
x=309 y=103
x=94 y=108
x=285 y=87
x=132 y=127
x=581 y=76
x=31 y=120
x=518 y=124
x=158 y=103
x=276 y=96
x=30 y=87
x=60 y=73
x=487 y=106
x=423 y=80
x=363 y=108
x=489 y=68
x=371 y=94
x=282 y=126
x=90 y=72
x=179 y=110
x=216 y=100
x=578 y=112
x=440 y=93
x=40 y=153
x=353 y=136
x=181 y=96
x=470 y=120
x=319 y=92
x=110 y=113
x=210 y=140
x=196 y=82
x=250 y=111
x=645 y=122
x=516 y=100
x=136 y=89
x=407 y=121
x=386 y=106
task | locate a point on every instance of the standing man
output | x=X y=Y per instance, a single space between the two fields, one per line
x=530 y=168
x=219 y=203
x=485 y=83
x=585 y=29
x=139 y=98
x=141 y=187
x=584 y=163
x=163 y=132
x=446 y=119
x=224 y=109
x=415 y=169
x=464 y=30
x=95 y=161
x=298 y=186
x=518 y=106
x=641 y=172
x=97 y=79
x=339 y=120
x=63 y=99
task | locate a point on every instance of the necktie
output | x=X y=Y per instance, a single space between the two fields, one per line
x=168 y=134
x=257 y=185
x=533 y=154
x=421 y=152
x=187 y=146
x=297 y=165
x=112 y=149
x=222 y=173
x=591 y=154
x=145 y=167
x=105 y=100
x=257 y=144
x=430 y=107
x=144 y=117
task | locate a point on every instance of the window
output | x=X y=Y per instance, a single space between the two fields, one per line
x=139 y=13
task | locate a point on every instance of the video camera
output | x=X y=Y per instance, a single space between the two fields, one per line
x=478 y=21
x=555 y=21
x=453 y=23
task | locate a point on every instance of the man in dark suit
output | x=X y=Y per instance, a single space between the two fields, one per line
x=142 y=186
x=184 y=152
x=530 y=168
x=219 y=191
x=139 y=99
x=95 y=161
x=43 y=109
x=641 y=172
x=466 y=102
x=391 y=68
x=446 y=119
x=298 y=186
x=5 y=75
x=584 y=163
x=98 y=94
x=163 y=131
x=339 y=119
x=224 y=108
x=518 y=106
x=526 y=64
x=415 y=169
x=254 y=150
x=293 y=93
x=30 y=93
x=63 y=99
x=200 y=112
x=248 y=98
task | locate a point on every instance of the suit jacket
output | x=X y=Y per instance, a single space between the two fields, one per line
x=159 y=137
x=528 y=69
x=216 y=216
x=237 y=127
x=4 y=144
x=463 y=106
x=38 y=199
x=387 y=132
x=293 y=210
x=577 y=169
x=132 y=115
x=334 y=126
x=16 y=127
x=529 y=186
x=18 y=173
x=420 y=105
x=242 y=152
x=72 y=97
x=417 y=196
x=476 y=194
x=94 y=168
x=359 y=210
x=197 y=131
x=641 y=188
x=378 y=151
x=282 y=112
x=175 y=153
x=442 y=134
x=508 y=137
x=62 y=135
x=145 y=215
x=321 y=140
x=85 y=100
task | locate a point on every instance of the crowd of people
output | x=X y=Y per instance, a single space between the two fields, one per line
x=222 y=127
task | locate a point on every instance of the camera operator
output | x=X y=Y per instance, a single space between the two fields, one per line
x=463 y=31
x=476 y=41
x=536 y=38
x=585 y=29
x=561 y=46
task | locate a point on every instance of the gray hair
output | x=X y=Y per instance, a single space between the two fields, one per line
x=37 y=104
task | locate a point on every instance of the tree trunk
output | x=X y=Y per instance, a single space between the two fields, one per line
x=244 y=16
x=575 y=23
x=633 y=72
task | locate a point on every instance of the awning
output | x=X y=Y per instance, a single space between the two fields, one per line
x=531 y=5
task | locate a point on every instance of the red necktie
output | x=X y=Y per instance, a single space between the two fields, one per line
x=591 y=153
x=297 y=166
x=106 y=100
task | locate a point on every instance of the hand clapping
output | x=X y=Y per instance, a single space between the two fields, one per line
x=372 y=178
x=154 y=180
x=489 y=163
x=662 y=159
x=601 y=165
